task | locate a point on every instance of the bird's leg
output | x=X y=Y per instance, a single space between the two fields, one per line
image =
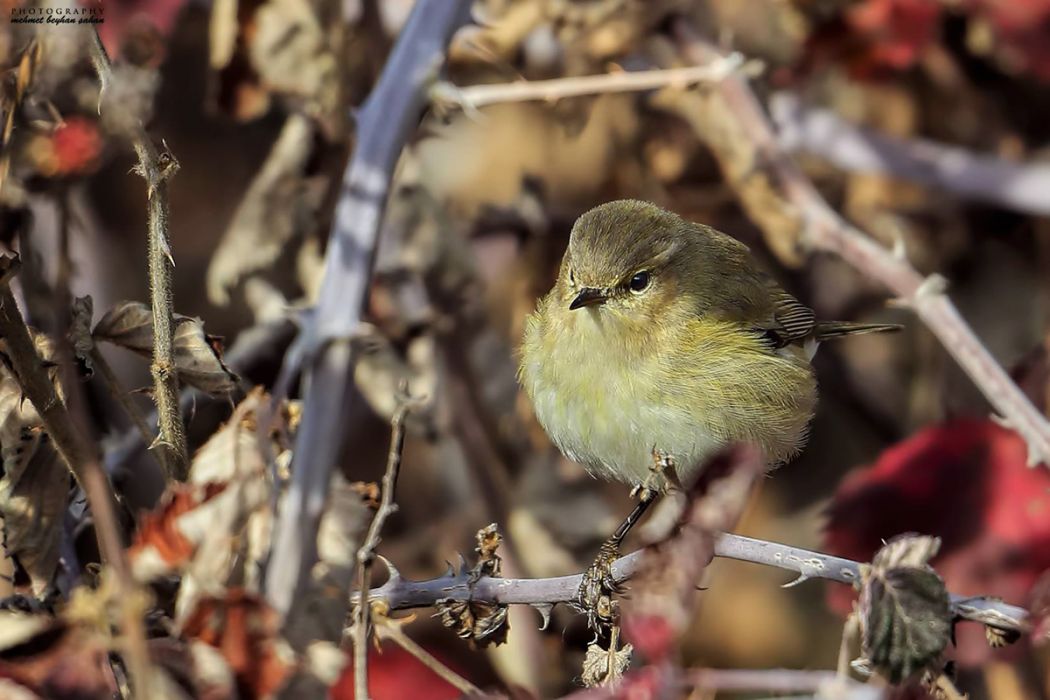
x=594 y=596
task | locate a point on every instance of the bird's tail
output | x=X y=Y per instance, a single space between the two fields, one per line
x=836 y=329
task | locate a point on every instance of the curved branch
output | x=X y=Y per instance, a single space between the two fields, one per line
x=384 y=123
x=1014 y=185
x=822 y=228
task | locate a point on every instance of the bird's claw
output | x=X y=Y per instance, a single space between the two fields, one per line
x=595 y=596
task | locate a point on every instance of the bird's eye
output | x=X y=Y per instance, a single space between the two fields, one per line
x=572 y=278
x=639 y=282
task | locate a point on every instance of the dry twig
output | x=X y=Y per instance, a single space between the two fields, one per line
x=824 y=229
x=156 y=168
x=474 y=97
x=367 y=551
x=82 y=458
x=384 y=123
x=391 y=629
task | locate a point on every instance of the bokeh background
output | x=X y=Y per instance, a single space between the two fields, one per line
x=252 y=101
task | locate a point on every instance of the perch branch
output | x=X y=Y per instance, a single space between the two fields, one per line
x=156 y=168
x=1018 y=186
x=81 y=456
x=384 y=123
x=399 y=593
x=366 y=554
x=824 y=229
x=474 y=97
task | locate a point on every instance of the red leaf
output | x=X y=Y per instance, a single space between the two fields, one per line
x=874 y=37
x=76 y=145
x=966 y=482
x=1022 y=33
x=394 y=674
x=896 y=31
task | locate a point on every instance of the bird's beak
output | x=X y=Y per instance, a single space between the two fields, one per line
x=588 y=296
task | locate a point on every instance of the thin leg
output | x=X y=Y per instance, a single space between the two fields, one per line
x=645 y=499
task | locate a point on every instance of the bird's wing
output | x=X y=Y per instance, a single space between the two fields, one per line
x=792 y=320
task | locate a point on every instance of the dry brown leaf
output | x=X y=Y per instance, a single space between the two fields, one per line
x=213 y=676
x=480 y=623
x=18 y=628
x=34 y=487
x=222 y=33
x=160 y=546
x=80 y=334
x=198 y=356
x=604 y=667
x=905 y=610
x=201 y=526
x=279 y=205
x=290 y=51
x=265 y=47
x=246 y=631
x=237 y=516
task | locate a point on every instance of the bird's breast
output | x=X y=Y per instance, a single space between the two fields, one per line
x=599 y=393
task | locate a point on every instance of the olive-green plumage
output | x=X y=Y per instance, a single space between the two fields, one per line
x=663 y=334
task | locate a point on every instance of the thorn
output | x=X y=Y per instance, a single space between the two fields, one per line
x=392 y=573
x=802 y=578
x=933 y=285
x=450 y=571
x=544 y=609
x=462 y=563
x=167 y=251
x=158 y=442
x=900 y=249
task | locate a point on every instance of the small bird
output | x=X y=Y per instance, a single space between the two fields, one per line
x=664 y=336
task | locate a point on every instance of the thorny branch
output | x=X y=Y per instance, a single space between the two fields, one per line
x=367 y=551
x=824 y=229
x=399 y=593
x=474 y=97
x=156 y=168
x=82 y=458
x=384 y=123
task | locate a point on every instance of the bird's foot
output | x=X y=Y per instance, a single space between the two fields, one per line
x=662 y=476
x=595 y=596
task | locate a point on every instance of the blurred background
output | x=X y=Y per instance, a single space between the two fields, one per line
x=251 y=98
